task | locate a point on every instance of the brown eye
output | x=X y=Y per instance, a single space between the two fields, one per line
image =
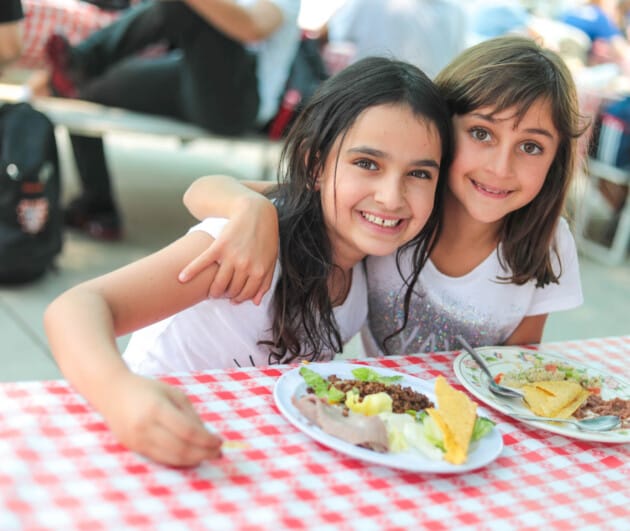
x=421 y=174
x=366 y=164
x=531 y=148
x=478 y=133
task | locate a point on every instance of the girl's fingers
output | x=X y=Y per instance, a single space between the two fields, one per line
x=264 y=288
x=248 y=292
x=237 y=284
x=165 y=447
x=181 y=420
x=199 y=264
x=221 y=281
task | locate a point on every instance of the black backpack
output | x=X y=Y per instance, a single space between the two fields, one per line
x=30 y=214
x=307 y=73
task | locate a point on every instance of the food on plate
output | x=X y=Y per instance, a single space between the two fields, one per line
x=540 y=371
x=556 y=399
x=376 y=412
x=355 y=428
x=455 y=417
x=554 y=390
x=595 y=405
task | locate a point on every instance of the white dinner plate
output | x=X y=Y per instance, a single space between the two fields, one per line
x=291 y=383
x=509 y=359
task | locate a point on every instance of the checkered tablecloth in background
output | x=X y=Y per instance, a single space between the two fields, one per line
x=62 y=469
x=75 y=19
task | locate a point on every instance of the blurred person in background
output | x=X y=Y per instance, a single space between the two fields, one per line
x=11 y=16
x=425 y=33
x=494 y=18
x=599 y=19
x=226 y=72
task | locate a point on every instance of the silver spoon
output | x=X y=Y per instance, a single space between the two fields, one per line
x=601 y=423
x=494 y=387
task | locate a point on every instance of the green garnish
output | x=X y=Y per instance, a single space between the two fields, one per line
x=321 y=387
x=365 y=374
x=482 y=427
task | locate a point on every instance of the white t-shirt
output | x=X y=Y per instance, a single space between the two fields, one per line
x=476 y=305
x=275 y=56
x=425 y=33
x=218 y=334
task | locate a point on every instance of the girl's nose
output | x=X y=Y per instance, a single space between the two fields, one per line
x=390 y=192
x=501 y=162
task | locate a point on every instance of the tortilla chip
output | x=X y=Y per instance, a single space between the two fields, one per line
x=455 y=417
x=555 y=399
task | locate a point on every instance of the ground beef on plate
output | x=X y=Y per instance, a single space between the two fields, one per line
x=403 y=398
x=595 y=405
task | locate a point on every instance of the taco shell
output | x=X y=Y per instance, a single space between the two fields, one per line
x=455 y=417
x=556 y=399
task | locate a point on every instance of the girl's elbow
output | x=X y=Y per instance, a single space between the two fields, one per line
x=52 y=322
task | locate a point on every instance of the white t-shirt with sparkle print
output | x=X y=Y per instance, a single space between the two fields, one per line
x=476 y=305
x=216 y=334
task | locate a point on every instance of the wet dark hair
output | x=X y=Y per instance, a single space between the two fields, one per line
x=303 y=322
x=515 y=72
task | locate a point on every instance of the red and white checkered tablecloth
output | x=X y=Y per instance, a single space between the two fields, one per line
x=61 y=469
x=73 y=18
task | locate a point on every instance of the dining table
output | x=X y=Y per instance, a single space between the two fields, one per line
x=62 y=469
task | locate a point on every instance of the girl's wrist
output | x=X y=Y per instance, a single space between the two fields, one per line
x=255 y=205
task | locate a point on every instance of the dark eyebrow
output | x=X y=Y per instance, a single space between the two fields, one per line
x=365 y=150
x=533 y=130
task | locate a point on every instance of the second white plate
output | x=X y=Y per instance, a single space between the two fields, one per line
x=509 y=359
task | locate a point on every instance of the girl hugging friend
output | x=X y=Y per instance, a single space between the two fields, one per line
x=501 y=257
x=362 y=168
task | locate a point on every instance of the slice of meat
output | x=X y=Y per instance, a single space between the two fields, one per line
x=368 y=432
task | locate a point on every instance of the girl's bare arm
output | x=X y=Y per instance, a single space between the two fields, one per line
x=247 y=248
x=529 y=331
x=146 y=415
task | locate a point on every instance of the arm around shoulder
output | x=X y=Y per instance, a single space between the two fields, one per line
x=247 y=248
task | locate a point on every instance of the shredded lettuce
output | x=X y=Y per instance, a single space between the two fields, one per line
x=365 y=374
x=432 y=432
x=321 y=387
x=404 y=433
x=482 y=427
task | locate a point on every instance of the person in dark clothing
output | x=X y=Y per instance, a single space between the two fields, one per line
x=225 y=71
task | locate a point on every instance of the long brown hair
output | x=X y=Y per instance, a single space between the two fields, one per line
x=303 y=321
x=514 y=72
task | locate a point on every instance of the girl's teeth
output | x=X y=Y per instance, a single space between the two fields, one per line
x=380 y=221
x=491 y=190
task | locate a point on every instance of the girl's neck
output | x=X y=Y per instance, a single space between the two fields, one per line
x=464 y=242
x=339 y=284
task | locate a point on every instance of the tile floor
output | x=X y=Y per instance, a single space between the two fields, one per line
x=151 y=175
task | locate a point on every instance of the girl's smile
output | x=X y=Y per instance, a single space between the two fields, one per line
x=489 y=191
x=378 y=184
x=501 y=161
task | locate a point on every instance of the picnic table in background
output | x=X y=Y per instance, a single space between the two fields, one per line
x=62 y=469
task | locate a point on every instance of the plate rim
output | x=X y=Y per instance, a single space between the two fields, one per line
x=566 y=431
x=493 y=441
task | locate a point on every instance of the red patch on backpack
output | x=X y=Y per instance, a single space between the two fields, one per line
x=32 y=214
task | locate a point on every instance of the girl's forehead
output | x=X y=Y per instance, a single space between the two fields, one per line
x=378 y=115
x=538 y=114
